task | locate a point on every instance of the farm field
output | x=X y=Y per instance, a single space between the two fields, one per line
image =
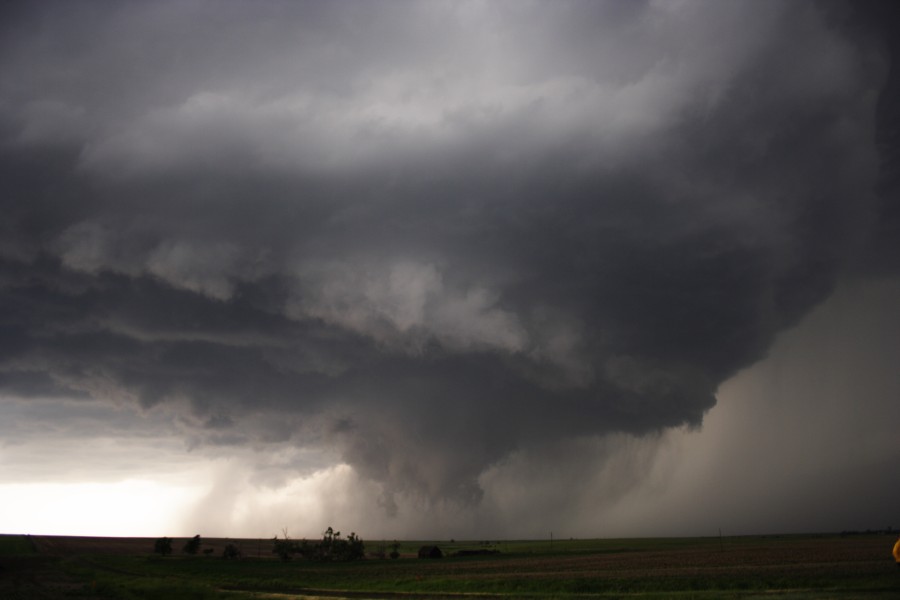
x=782 y=567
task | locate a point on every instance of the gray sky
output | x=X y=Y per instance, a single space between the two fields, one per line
x=448 y=269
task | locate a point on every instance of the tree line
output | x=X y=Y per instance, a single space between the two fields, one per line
x=332 y=547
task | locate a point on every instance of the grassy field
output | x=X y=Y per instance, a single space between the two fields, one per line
x=782 y=567
x=16 y=545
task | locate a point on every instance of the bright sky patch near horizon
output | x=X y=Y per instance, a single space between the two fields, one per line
x=469 y=270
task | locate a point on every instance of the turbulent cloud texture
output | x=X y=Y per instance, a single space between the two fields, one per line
x=428 y=238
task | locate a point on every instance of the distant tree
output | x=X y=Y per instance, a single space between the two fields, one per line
x=356 y=549
x=231 y=551
x=163 y=546
x=350 y=548
x=285 y=547
x=395 y=550
x=193 y=545
x=332 y=547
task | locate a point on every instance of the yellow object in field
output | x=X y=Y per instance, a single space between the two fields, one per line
x=897 y=550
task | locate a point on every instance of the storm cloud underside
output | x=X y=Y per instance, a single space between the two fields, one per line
x=426 y=238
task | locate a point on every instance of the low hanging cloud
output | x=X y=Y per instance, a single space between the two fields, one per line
x=405 y=304
x=429 y=237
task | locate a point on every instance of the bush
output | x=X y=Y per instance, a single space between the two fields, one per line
x=231 y=551
x=284 y=548
x=163 y=546
x=332 y=547
x=193 y=545
x=335 y=548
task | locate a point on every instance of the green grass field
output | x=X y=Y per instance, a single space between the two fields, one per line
x=782 y=567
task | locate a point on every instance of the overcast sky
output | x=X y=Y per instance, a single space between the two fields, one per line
x=450 y=269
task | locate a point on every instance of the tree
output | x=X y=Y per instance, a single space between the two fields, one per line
x=193 y=545
x=332 y=547
x=352 y=548
x=284 y=548
x=163 y=546
x=231 y=551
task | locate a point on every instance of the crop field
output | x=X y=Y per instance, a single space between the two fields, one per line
x=781 y=567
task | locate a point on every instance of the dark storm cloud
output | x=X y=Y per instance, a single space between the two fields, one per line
x=425 y=235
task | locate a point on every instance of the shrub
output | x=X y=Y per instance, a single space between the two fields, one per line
x=284 y=548
x=231 y=551
x=163 y=546
x=332 y=547
x=193 y=545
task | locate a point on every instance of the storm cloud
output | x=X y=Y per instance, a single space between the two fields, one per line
x=428 y=238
